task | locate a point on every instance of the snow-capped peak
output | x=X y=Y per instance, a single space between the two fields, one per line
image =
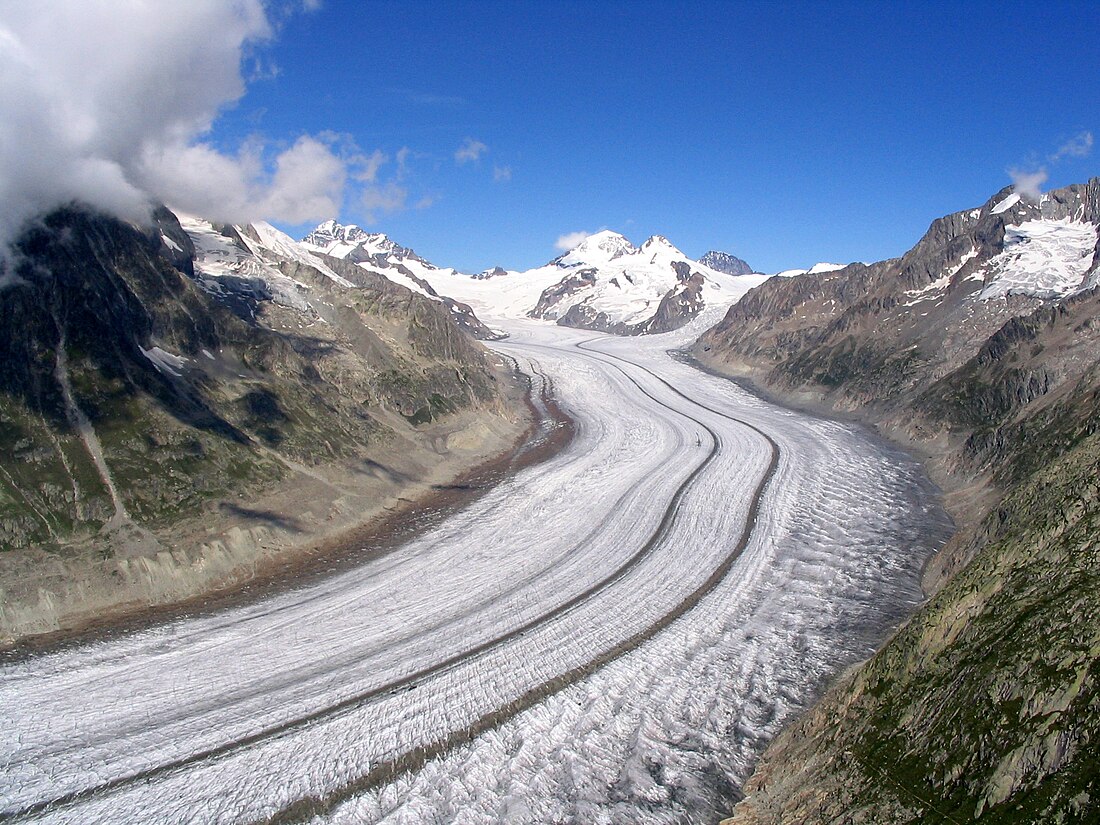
x=352 y=243
x=659 y=243
x=330 y=231
x=598 y=248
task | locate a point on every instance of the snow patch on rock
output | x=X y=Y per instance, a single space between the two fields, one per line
x=1043 y=259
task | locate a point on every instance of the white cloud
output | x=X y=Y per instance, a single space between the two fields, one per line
x=403 y=161
x=470 y=150
x=108 y=103
x=1078 y=146
x=382 y=198
x=502 y=173
x=308 y=184
x=370 y=165
x=1026 y=183
x=570 y=240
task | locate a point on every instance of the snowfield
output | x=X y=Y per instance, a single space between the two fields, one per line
x=609 y=636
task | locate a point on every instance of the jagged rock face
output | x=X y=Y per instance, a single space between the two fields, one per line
x=982 y=345
x=570 y=285
x=681 y=303
x=725 y=262
x=677 y=307
x=192 y=382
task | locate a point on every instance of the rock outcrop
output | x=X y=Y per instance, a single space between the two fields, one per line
x=725 y=262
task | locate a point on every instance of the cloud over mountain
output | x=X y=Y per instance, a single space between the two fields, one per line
x=569 y=240
x=109 y=104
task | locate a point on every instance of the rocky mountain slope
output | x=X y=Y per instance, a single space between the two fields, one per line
x=183 y=402
x=725 y=262
x=376 y=253
x=605 y=283
x=981 y=348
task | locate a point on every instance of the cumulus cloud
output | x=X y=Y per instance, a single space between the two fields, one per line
x=1078 y=146
x=570 y=240
x=470 y=150
x=502 y=173
x=109 y=103
x=1027 y=184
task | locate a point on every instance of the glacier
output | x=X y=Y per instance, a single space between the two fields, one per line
x=609 y=636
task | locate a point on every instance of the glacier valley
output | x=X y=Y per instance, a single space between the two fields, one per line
x=610 y=636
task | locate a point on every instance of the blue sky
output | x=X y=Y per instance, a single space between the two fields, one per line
x=783 y=133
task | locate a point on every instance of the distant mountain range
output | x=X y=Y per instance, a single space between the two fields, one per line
x=605 y=283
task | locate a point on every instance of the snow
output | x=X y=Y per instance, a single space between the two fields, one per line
x=629 y=282
x=824 y=267
x=1042 y=258
x=165 y=362
x=403 y=279
x=831 y=562
x=170 y=243
x=816 y=269
x=341 y=241
x=1006 y=204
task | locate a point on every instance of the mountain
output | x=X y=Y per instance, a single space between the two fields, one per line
x=353 y=244
x=376 y=253
x=979 y=348
x=612 y=286
x=186 y=402
x=725 y=262
x=604 y=283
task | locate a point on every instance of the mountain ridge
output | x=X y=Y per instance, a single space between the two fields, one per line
x=980 y=349
x=156 y=376
x=607 y=284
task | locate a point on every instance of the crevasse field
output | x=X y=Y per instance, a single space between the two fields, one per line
x=609 y=636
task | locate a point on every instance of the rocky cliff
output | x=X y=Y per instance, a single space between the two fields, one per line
x=981 y=348
x=182 y=402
